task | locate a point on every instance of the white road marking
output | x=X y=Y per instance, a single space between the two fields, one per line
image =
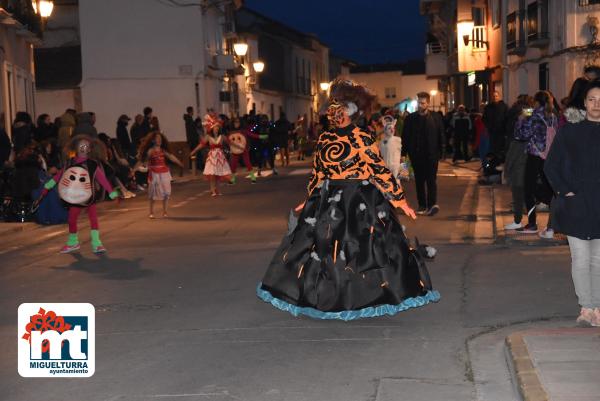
x=301 y=171
x=263 y=174
x=461 y=227
x=125 y=210
x=484 y=226
x=10 y=249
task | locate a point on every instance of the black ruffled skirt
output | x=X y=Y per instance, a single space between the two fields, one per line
x=347 y=258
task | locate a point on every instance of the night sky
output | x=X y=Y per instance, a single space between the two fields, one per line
x=364 y=31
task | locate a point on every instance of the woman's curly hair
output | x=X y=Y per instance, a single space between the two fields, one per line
x=343 y=90
x=97 y=148
x=148 y=142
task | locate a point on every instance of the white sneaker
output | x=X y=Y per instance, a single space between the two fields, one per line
x=513 y=226
x=548 y=233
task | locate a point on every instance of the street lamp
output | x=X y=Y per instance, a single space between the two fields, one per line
x=43 y=7
x=240 y=49
x=465 y=31
x=324 y=86
x=259 y=66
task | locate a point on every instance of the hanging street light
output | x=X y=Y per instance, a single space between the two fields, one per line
x=43 y=7
x=259 y=66
x=324 y=86
x=240 y=49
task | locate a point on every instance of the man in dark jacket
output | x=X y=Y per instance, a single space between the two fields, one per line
x=494 y=119
x=191 y=133
x=123 y=135
x=22 y=131
x=147 y=123
x=279 y=137
x=461 y=127
x=423 y=141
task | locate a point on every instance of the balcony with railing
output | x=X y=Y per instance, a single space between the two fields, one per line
x=479 y=39
x=537 y=24
x=436 y=59
x=515 y=40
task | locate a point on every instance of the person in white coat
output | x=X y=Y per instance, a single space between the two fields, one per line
x=391 y=146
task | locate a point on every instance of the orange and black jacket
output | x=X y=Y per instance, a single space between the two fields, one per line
x=351 y=154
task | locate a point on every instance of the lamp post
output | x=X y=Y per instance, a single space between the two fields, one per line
x=240 y=48
x=44 y=9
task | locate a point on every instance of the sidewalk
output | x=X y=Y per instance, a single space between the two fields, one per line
x=561 y=364
x=551 y=364
x=503 y=216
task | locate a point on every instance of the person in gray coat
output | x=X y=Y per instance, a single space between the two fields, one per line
x=85 y=125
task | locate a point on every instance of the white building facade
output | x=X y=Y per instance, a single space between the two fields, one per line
x=17 y=80
x=139 y=53
x=549 y=43
x=295 y=65
x=394 y=87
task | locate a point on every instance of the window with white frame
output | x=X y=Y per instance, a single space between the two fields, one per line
x=390 y=93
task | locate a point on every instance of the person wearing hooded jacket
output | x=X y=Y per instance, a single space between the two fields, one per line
x=123 y=135
x=573 y=169
x=22 y=131
x=85 y=125
x=67 y=126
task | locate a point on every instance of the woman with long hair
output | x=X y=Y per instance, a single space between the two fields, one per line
x=536 y=130
x=154 y=150
x=573 y=169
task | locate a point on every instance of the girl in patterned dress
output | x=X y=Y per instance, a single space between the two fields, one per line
x=154 y=151
x=216 y=167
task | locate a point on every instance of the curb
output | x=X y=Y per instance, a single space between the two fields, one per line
x=528 y=382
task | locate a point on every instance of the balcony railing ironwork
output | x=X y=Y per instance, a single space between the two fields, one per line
x=479 y=38
x=435 y=48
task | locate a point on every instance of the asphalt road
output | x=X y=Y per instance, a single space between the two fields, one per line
x=177 y=317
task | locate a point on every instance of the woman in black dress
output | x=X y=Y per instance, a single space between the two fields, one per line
x=348 y=257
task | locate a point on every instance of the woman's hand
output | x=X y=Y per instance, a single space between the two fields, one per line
x=407 y=210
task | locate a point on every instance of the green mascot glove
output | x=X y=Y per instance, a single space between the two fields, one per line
x=49 y=185
x=113 y=194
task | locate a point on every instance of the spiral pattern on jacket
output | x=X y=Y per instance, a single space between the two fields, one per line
x=335 y=151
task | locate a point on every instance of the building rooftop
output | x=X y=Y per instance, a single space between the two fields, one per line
x=250 y=21
x=411 y=67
